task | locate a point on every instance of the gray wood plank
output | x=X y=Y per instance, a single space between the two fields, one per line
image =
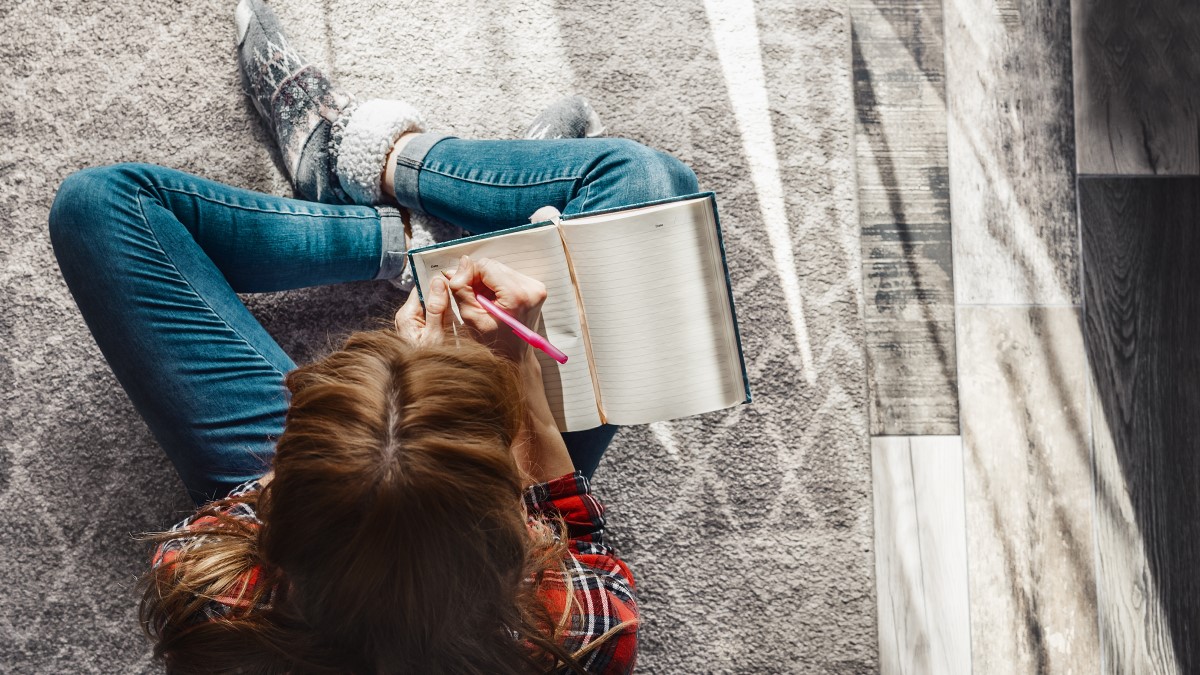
x=1012 y=154
x=921 y=556
x=905 y=215
x=1140 y=246
x=1028 y=490
x=1137 y=86
x=913 y=376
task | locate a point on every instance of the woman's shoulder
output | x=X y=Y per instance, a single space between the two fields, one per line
x=601 y=585
x=239 y=509
x=211 y=523
x=208 y=515
x=243 y=509
x=605 y=611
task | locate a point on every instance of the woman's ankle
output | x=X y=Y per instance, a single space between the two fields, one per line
x=363 y=140
x=389 y=167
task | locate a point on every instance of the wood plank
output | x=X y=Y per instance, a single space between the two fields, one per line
x=1140 y=246
x=1012 y=154
x=913 y=376
x=1028 y=490
x=904 y=210
x=920 y=556
x=1133 y=622
x=1137 y=86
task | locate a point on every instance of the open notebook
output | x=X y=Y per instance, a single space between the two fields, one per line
x=639 y=300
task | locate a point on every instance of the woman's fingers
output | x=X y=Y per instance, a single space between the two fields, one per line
x=515 y=292
x=461 y=284
x=513 y=289
x=464 y=275
x=519 y=295
x=410 y=318
x=437 y=306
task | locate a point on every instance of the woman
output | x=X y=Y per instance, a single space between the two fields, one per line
x=405 y=504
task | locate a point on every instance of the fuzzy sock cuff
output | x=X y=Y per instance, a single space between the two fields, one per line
x=361 y=139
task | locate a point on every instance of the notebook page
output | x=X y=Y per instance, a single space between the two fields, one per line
x=657 y=305
x=538 y=252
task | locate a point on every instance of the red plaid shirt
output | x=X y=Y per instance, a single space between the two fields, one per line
x=602 y=584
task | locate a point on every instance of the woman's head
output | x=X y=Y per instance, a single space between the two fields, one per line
x=393 y=535
x=395 y=510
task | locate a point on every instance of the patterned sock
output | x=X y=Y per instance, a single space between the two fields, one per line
x=568 y=117
x=297 y=101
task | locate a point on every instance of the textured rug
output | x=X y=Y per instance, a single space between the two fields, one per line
x=748 y=530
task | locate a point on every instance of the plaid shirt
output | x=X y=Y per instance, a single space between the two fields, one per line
x=601 y=583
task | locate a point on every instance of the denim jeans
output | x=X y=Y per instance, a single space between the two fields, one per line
x=154 y=258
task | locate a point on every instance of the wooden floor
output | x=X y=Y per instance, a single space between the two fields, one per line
x=904 y=205
x=1141 y=246
x=921 y=568
x=1035 y=379
x=1136 y=99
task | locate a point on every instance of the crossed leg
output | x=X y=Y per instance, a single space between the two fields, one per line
x=154 y=258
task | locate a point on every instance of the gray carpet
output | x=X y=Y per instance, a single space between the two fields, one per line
x=748 y=530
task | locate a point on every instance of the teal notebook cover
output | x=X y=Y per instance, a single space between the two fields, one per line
x=711 y=196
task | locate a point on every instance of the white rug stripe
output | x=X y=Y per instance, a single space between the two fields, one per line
x=662 y=434
x=735 y=33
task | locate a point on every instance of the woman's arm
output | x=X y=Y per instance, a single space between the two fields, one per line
x=540 y=452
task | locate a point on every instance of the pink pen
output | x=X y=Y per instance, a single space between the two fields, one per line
x=521 y=330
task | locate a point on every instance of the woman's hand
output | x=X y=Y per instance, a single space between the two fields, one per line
x=519 y=295
x=539 y=449
x=425 y=326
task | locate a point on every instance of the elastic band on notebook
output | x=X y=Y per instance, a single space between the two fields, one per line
x=587 y=340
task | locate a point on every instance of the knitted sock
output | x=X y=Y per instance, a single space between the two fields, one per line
x=315 y=124
x=568 y=117
x=296 y=100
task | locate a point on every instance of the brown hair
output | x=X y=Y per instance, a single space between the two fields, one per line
x=393 y=539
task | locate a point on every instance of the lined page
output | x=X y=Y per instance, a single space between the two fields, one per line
x=538 y=253
x=657 y=308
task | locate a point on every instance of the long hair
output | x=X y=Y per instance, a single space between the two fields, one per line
x=393 y=535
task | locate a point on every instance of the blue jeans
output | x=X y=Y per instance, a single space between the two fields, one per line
x=154 y=258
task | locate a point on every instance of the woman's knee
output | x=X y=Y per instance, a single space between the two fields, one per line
x=645 y=174
x=84 y=202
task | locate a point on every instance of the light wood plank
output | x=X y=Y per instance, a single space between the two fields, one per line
x=1012 y=154
x=920 y=556
x=1140 y=247
x=1137 y=86
x=1028 y=491
x=904 y=210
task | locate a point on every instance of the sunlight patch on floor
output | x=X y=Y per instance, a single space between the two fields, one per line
x=735 y=33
